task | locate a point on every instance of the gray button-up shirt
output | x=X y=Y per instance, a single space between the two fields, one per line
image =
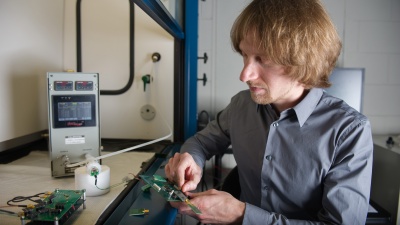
x=309 y=165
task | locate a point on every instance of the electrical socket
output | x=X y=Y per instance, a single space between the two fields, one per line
x=148 y=112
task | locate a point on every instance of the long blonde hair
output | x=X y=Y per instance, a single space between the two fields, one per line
x=297 y=34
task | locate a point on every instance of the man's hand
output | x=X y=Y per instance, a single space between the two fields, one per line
x=217 y=207
x=183 y=171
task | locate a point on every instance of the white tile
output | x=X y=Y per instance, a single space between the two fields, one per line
x=394 y=69
x=376 y=66
x=351 y=37
x=368 y=9
x=379 y=37
x=395 y=9
x=206 y=9
x=381 y=100
x=336 y=10
x=340 y=60
x=205 y=34
x=204 y=92
x=383 y=125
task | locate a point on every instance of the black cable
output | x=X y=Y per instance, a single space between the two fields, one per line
x=25 y=198
x=7 y=212
x=78 y=37
x=131 y=47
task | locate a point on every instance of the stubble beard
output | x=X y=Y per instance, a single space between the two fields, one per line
x=262 y=99
x=266 y=97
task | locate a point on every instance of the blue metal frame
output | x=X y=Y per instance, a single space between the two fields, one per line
x=156 y=10
x=191 y=31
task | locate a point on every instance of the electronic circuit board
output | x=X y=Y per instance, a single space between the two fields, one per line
x=57 y=207
x=168 y=190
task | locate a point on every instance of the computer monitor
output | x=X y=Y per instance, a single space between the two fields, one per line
x=348 y=84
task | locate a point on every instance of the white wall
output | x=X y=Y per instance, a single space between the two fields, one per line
x=105 y=49
x=30 y=45
x=372 y=41
x=370 y=31
x=223 y=67
x=39 y=36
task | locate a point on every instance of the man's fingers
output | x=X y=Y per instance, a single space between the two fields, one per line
x=189 y=186
x=170 y=168
x=183 y=171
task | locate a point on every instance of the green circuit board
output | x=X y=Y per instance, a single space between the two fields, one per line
x=167 y=190
x=58 y=206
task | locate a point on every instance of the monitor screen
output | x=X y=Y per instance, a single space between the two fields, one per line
x=70 y=111
x=74 y=111
x=348 y=85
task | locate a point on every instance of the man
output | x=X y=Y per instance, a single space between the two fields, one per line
x=303 y=156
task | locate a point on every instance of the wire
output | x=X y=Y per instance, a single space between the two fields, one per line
x=125 y=180
x=124 y=150
x=112 y=186
x=25 y=198
x=9 y=213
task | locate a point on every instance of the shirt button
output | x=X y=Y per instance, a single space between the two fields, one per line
x=266 y=188
x=268 y=157
x=275 y=124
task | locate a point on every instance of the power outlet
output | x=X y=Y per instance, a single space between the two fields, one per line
x=148 y=112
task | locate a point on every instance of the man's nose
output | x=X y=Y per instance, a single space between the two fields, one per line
x=248 y=72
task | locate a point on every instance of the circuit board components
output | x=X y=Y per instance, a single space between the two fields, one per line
x=167 y=190
x=57 y=207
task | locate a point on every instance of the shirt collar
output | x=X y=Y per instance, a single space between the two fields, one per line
x=304 y=109
x=307 y=106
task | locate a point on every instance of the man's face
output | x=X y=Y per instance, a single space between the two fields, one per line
x=267 y=81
